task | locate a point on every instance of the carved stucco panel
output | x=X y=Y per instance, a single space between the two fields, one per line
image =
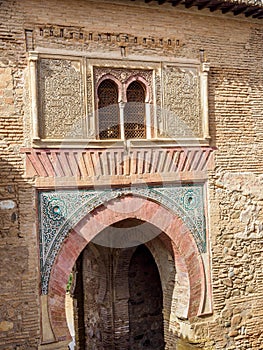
x=158 y=102
x=181 y=93
x=61 y=98
x=90 y=108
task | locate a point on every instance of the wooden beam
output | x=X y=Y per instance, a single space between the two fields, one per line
x=228 y=9
x=258 y=14
x=239 y=10
x=252 y=12
x=176 y=2
x=190 y=3
x=215 y=6
x=204 y=5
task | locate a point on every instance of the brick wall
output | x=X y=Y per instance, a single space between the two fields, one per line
x=19 y=304
x=233 y=46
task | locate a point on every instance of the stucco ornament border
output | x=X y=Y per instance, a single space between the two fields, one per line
x=60 y=211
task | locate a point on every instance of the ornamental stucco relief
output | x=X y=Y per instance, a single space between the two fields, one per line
x=61 y=98
x=60 y=211
x=181 y=93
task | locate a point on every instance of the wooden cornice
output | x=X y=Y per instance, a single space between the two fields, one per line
x=118 y=165
x=250 y=8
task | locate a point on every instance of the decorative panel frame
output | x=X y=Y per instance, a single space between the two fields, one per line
x=181 y=101
x=123 y=77
x=61 y=97
x=123 y=72
x=63 y=94
x=60 y=211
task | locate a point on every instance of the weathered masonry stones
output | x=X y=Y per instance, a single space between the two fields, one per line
x=131 y=160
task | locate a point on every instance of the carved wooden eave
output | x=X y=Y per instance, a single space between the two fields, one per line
x=89 y=167
x=250 y=8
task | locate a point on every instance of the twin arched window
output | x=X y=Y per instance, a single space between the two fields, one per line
x=109 y=119
x=114 y=122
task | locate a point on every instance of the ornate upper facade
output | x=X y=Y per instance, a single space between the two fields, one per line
x=85 y=100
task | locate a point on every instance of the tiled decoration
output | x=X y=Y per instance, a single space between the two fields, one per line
x=61 y=210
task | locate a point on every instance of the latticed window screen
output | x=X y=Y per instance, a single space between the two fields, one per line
x=109 y=119
x=134 y=112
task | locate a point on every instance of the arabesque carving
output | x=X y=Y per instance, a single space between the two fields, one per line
x=182 y=116
x=123 y=74
x=60 y=211
x=90 y=114
x=61 y=98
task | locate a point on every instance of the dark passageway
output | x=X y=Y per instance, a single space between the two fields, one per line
x=107 y=304
x=146 y=302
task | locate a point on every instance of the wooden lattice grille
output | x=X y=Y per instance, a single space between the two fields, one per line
x=134 y=113
x=109 y=119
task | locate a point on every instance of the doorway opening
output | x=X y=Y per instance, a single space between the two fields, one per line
x=145 y=302
x=117 y=299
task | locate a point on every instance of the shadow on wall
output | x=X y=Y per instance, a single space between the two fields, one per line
x=18 y=279
x=10 y=184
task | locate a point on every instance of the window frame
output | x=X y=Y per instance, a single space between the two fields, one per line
x=100 y=131
x=129 y=111
x=91 y=69
x=122 y=101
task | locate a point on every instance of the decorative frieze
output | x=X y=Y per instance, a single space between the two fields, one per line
x=88 y=37
x=89 y=163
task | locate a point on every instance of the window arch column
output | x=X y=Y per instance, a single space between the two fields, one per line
x=148 y=121
x=121 y=108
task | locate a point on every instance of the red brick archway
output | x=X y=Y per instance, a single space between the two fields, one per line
x=187 y=257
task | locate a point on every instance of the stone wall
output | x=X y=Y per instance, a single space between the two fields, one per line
x=236 y=219
x=233 y=46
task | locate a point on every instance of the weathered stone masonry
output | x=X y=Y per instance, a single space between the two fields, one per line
x=167 y=41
